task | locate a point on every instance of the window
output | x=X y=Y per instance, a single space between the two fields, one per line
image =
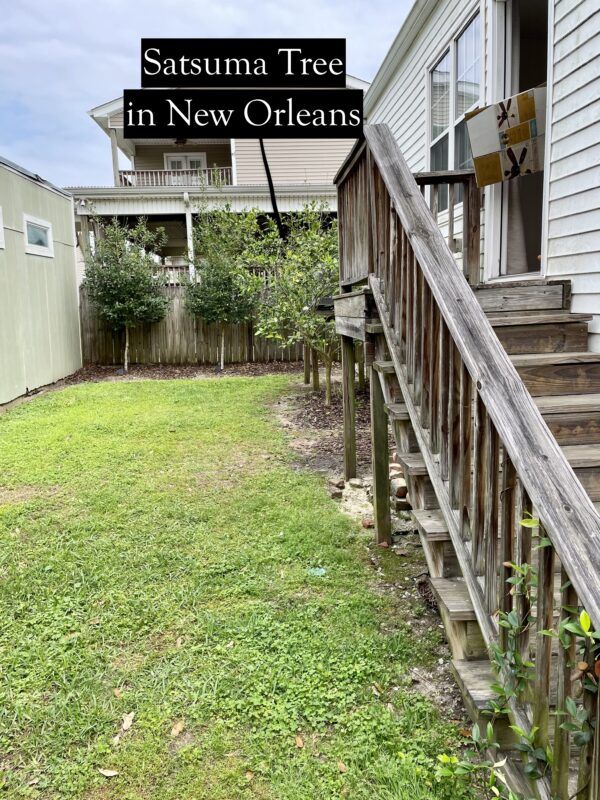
x=2 y=244
x=38 y=236
x=454 y=90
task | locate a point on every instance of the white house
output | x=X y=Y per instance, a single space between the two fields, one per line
x=451 y=56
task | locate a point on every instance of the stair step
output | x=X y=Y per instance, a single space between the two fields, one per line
x=559 y=373
x=432 y=525
x=474 y=679
x=397 y=412
x=572 y=418
x=568 y=403
x=583 y=456
x=385 y=367
x=453 y=595
x=412 y=464
x=541 y=331
x=504 y=319
x=516 y=295
x=585 y=461
x=373 y=326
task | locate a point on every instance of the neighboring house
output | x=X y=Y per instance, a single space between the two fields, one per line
x=39 y=315
x=451 y=56
x=168 y=179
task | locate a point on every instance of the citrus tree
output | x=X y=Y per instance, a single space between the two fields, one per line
x=305 y=273
x=226 y=287
x=123 y=278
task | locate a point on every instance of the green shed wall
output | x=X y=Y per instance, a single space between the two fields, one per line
x=39 y=314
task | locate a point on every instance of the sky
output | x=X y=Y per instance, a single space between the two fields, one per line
x=59 y=58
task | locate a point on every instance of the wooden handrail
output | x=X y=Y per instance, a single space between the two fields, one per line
x=444 y=176
x=564 y=506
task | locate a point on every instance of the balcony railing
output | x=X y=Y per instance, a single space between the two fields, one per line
x=197 y=178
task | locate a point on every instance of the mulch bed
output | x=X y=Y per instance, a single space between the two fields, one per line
x=312 y=414
x=93 y=372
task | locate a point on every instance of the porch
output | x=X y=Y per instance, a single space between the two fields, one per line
x=190 y=178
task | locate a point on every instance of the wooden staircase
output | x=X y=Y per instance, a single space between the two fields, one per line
x=494 y=403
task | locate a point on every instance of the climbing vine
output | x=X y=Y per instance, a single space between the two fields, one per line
x=515 y=673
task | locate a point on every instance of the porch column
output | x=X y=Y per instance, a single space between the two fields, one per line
x=115 y=155
x=189 y=234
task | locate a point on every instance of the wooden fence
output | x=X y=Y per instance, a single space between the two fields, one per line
x=178 y=339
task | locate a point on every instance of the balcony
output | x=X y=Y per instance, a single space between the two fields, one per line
x=185 y=178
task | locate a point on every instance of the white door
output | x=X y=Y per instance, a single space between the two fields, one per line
x=189 y=166
x=514 y=216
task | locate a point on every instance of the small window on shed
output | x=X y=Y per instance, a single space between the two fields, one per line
x=38 y=237
x=2 y=244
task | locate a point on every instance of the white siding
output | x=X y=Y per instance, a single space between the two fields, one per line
x=292 y=161
x=574 y=174
x=403 y=103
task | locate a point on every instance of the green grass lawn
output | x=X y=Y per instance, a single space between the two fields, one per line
x=156 y=548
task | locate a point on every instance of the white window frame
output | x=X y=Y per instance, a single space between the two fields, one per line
x=2 y=240
x=201 y=156
x=453 y=121
x=34 y=249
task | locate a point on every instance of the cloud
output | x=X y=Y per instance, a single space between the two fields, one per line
x=59 y=59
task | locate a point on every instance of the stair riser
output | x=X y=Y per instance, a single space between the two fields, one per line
x=590 y=480
x=516 y=298
x=421 y=493
x=404 y=437
x=441 y=558
x=569 y=337
x=583 y=428
x=555 y=379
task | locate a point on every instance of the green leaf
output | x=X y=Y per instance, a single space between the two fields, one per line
x=585 y=621
x=530 y=522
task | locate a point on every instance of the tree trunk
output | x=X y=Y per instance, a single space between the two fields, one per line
x=328 y=364
x=314 y=357
x=126 y=354
x=222 y=347
x=306 y=359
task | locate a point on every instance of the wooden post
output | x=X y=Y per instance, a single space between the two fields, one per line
x=471 y=231
x=306 y=362
x=566 y=659
x=381 y=461
x=349 y=407
x=543 y=654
